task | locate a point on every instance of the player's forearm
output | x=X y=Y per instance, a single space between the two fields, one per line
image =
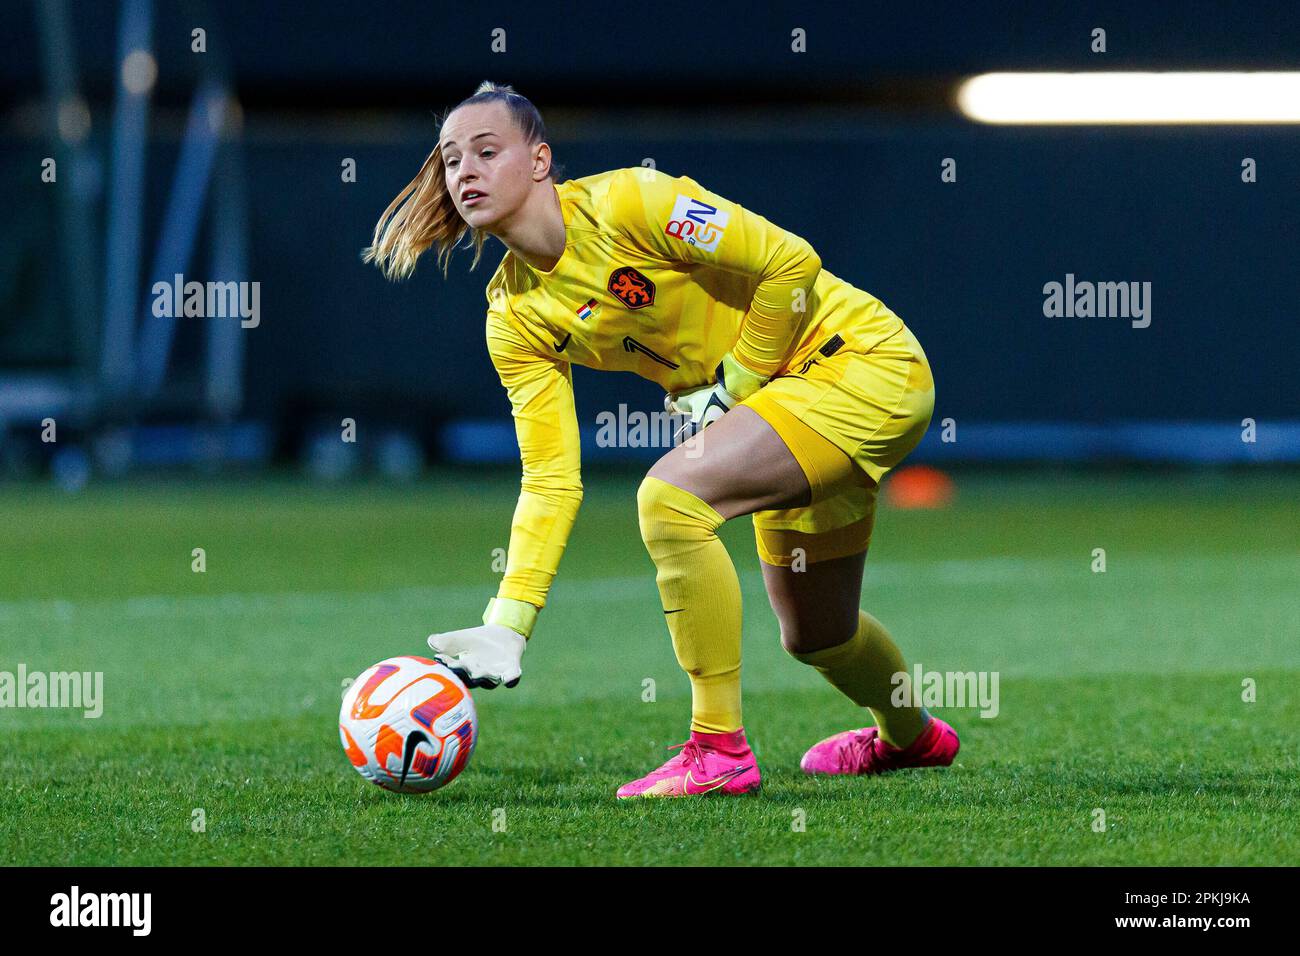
x=779 y=308
x=539 y=531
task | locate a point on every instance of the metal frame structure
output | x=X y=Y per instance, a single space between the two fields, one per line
x=122 y=352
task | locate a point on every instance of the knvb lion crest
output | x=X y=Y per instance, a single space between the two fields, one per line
x=631 y=288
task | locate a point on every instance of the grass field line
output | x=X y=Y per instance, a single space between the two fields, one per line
x=963 y=572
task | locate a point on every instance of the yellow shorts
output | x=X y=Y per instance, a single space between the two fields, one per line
x=848 y=418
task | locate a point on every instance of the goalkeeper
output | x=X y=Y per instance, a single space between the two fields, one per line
x=810 y=390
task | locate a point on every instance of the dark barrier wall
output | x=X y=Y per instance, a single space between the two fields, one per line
x=964 y=263
x=859 y=175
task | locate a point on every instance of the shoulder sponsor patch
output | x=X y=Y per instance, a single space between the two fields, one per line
x=697 y=223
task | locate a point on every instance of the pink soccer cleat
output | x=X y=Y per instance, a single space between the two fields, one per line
x=708 y=763
x=862 y=751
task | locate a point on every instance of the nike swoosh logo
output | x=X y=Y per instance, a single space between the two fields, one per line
x=675 y=610
x=413 y=740
x=709 y=785
x=559 y=346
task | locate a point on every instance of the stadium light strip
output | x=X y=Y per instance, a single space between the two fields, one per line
x=1034 y=98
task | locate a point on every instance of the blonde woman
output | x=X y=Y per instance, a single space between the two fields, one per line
x=819 y=390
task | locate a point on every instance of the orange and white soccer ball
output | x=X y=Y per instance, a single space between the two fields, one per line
x=408 y=724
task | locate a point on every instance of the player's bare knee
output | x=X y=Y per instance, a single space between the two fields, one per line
x=665 y=469
x=792 y=639
x=796 y=633
x=805 y=637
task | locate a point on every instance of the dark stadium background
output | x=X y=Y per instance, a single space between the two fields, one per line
x=841 y=144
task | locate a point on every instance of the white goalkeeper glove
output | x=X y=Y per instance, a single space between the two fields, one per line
x=703 y=406
x=488 y=655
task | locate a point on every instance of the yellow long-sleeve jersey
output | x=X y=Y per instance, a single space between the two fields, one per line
x=660 y=277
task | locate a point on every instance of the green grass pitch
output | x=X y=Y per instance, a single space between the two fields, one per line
x=1120 y=691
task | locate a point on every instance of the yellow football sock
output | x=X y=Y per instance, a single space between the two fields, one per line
x=701 y=598
x=863 y=669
